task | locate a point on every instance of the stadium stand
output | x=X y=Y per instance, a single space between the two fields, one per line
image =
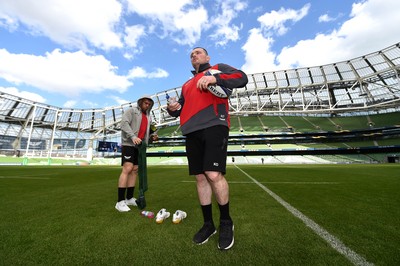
x=345 y=112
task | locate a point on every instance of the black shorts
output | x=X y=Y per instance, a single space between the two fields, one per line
x=206 y=150
x=129 y=154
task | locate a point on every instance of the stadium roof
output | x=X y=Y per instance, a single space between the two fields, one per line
x=364 y=84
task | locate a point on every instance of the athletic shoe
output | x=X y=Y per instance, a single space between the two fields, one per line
x=122 y=207
x=226 y=238
x=162 y=215
x=178 y=216
x=204 y=233
x=131 y=202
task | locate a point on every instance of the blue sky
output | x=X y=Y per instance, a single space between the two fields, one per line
x=99 y=53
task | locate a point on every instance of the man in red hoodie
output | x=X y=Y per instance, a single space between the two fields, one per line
x=205 y=122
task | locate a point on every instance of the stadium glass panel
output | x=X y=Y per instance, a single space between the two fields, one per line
x=311 y=98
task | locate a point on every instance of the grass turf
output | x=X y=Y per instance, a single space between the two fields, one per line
x=65 y=215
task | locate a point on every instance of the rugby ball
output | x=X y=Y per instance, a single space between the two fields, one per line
x=217 y=90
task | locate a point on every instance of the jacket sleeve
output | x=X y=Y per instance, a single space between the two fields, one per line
x=126 y=122
x=230 y=77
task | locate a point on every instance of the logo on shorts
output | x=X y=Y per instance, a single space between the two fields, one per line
x=127 y=157
x=222 y=117
x=215 y=164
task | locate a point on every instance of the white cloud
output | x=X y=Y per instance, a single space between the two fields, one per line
x=139 y=72
x=72 y=23
x=133 y=35
x=181 y=20
x=8 y=22
x=258 y=53
x=325 y=18
x=73 y=103
x=158 y=8
x=70 y=104
x=186 y=30
x=23 y=94
x=275 y=20
x=65 y=73
x=372 y=26
x=224 y=31
x=118 y=100
x=90 y=104
x=323 y=49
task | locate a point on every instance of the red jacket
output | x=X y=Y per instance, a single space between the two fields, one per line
x=201 y=109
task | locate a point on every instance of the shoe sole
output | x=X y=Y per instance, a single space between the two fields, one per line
x=121 y=210
x=205 y=241
x=231 y=244
x=161 y=221
x=178 y=220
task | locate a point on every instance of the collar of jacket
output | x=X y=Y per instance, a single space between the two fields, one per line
x=202 y=67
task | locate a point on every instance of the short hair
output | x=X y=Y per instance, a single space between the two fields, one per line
x=204 y=49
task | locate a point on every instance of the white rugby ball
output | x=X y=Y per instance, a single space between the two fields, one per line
x=217 y=90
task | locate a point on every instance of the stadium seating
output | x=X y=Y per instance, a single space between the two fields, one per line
x=349 y=109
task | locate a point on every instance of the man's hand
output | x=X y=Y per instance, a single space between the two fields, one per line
x=174 y=106
x=136 y=140
x=206 y=81
x=154 y=137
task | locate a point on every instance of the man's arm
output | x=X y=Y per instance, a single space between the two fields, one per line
x=126 y=121
x=174 y=109
x=230 y=77
x=153 y=133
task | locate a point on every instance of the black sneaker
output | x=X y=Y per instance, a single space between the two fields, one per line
x=226 y=238
x=204 y=233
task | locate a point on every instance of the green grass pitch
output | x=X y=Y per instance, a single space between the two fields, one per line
x=64 y=215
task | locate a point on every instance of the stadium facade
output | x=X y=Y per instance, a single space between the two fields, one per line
x=364 y=85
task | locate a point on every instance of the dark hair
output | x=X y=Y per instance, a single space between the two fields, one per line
x=204 y=49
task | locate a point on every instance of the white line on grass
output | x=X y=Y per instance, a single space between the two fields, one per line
x=301 y=183
x=23 y=177
x=249 y=182
x=335 y=243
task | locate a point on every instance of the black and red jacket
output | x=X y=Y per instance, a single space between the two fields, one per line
x=201 y=109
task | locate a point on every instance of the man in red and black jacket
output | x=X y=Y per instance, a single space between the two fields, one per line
x=205 y=122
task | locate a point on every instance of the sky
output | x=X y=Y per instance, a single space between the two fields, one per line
x=90 y=54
